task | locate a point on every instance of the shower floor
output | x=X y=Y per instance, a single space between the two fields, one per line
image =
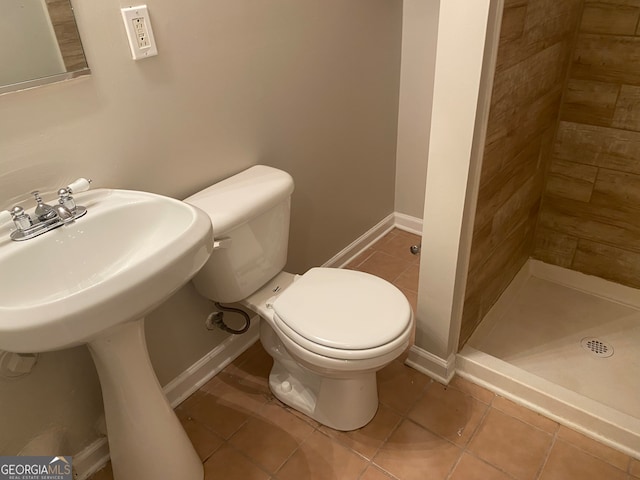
x=529 y=347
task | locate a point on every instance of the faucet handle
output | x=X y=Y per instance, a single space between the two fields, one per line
x=79 y=185
x=21 y=220
x=65 y=199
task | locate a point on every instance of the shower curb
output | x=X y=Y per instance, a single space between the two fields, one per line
x=612 y=428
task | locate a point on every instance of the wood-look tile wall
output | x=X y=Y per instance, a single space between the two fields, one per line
x=590 y=215
x=533 y=57
x=64 y=26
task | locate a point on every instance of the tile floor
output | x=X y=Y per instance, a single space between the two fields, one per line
x=422 y=430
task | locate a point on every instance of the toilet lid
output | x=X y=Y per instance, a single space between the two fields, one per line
x=343 y=309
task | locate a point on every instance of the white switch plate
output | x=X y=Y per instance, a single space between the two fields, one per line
x=139 y=32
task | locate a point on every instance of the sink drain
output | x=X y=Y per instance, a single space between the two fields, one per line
x=598 y=347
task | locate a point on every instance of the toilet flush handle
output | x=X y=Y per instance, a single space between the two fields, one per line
x=221 y=243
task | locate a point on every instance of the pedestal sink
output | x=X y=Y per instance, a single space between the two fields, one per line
x=92 y=282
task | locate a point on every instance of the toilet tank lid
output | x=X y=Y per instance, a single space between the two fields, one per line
x=242 y=197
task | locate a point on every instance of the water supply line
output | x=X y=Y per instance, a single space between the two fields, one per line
x=216 y=319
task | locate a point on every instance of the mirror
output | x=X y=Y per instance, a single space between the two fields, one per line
x=39 y=44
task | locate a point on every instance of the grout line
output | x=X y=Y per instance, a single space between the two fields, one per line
x=455 y=464
x=521 y=419
x=249 y=459
x=546 y=457
x=500 y=469
x=386 y=472
x=627 y=469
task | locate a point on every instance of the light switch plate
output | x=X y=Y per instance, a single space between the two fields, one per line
x=139 y=32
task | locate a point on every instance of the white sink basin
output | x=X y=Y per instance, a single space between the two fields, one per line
x=92 y=281
x=122 y=259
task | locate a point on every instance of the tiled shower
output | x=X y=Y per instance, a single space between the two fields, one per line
x=560 y=177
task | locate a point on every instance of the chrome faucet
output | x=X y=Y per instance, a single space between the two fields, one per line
x=46 y=217
x=43 y=212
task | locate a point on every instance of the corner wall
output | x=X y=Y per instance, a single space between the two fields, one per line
x=419 y=38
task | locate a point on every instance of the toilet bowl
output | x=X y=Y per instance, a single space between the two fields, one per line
x=329 y=330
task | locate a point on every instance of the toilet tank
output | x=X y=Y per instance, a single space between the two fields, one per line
x=250 y=216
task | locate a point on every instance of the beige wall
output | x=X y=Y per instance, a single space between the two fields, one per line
x=532 y=62
x=419 y=36
x=309 y=86
x=590 y=217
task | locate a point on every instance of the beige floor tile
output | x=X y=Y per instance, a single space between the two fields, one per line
x=358 y=260
x=414 y=453
x=384 y=266
x=569 y=462
x=224 y=419
x=408 y=280
x=321 y=458
x=296 y=413
x=395 y=378
x=368 y=439
x=476 y=391
x=510 y=445
x=245 y=390
x=524 y=414
x=472 y=468
x=603 y=452
x=379 y=244
x=182 y=410
x=271 y=438
x=240 y=392
x=204 y=440
x=295 y=423
x=228 y=464
x=374 y=473
x=253 y=367
x=449 y=412
x=397 y=244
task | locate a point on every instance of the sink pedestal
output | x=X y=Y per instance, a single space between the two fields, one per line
x=146 y=439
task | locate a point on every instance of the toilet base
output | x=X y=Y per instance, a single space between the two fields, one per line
x=340 y=403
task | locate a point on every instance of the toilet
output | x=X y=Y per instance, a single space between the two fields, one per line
x=328 y=330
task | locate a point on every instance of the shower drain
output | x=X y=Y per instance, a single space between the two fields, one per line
x=596 y=346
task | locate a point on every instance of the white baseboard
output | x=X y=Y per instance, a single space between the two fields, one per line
x=194 y=377
x=91 y=459
x=361 y=243
x=371 y=236
x=96 y=455
x=408 y=223
x=435 y=367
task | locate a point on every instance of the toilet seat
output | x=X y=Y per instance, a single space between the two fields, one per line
x=343 y=314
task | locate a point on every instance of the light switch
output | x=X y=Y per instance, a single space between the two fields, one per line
x=139 y=32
